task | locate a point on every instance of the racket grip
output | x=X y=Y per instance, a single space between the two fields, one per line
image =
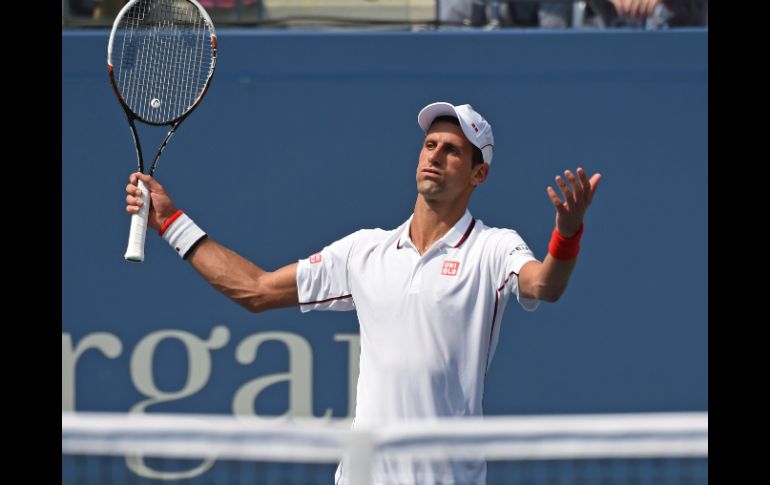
x=138 y=231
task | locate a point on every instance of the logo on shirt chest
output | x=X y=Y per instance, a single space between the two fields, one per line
x=315 y=258
x=450 y=268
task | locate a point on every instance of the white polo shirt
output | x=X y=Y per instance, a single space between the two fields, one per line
x=429 y=323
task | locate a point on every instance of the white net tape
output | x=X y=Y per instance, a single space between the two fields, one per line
x=580 y=437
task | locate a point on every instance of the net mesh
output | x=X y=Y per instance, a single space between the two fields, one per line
x=162 y=53
x=588 y=449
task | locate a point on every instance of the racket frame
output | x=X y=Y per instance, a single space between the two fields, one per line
x=138 y=230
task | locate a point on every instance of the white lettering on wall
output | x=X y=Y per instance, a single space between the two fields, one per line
x=198 y=372
x=299 y=376
x=107 y=343
x=354 y=357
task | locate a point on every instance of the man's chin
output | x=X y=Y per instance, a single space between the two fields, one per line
x=427 y=188
x=430 y=196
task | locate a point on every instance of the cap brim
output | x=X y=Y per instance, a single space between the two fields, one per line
x=433 y=111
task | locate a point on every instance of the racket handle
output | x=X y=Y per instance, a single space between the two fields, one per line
x=138 y=231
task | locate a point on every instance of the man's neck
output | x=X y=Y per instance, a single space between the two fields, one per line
x=431 y=221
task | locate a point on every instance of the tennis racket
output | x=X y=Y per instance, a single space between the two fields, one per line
x=161 y=59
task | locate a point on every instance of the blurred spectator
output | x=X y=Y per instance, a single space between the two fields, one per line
x=107 y=9
x=555 y=14
x=227 y=10
x=551 y=14
x=457 y=11
x=518 y=13
x=219 y=10
x=653 y=14
x=82 y=8
x=544 y=14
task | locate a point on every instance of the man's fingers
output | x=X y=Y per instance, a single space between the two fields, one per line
x=577 y=187
x=133 y=190
x=585 y=184
x=557 y=203
x=594 y=184
x=151 y=183
x=131 y=200
x=565 y=190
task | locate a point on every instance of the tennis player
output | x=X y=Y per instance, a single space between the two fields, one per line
x=430 y=294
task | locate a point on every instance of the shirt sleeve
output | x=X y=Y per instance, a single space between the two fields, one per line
x=515 y=253
x=323 y=281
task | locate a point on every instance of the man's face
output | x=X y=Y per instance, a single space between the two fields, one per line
x=445 y=170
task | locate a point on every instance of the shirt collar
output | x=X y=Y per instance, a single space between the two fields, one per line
x=456 y=235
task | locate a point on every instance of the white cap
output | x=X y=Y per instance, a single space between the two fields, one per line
x=475 y=127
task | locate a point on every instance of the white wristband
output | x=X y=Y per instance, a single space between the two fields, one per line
x=183 y=234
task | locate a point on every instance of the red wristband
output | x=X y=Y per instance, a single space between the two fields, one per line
x=565 y=248
x=169 y=221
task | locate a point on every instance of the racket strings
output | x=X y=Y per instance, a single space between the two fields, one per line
x=166 y=58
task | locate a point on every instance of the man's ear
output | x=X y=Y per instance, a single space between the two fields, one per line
x=480 y=174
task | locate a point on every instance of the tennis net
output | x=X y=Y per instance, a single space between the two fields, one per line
x=654 y=448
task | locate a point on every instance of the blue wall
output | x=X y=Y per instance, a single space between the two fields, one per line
x=306 y=137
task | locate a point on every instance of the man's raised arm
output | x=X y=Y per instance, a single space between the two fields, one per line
x=236 y=277
x=548 y=280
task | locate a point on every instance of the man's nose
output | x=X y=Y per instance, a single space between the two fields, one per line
x=436 y=156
